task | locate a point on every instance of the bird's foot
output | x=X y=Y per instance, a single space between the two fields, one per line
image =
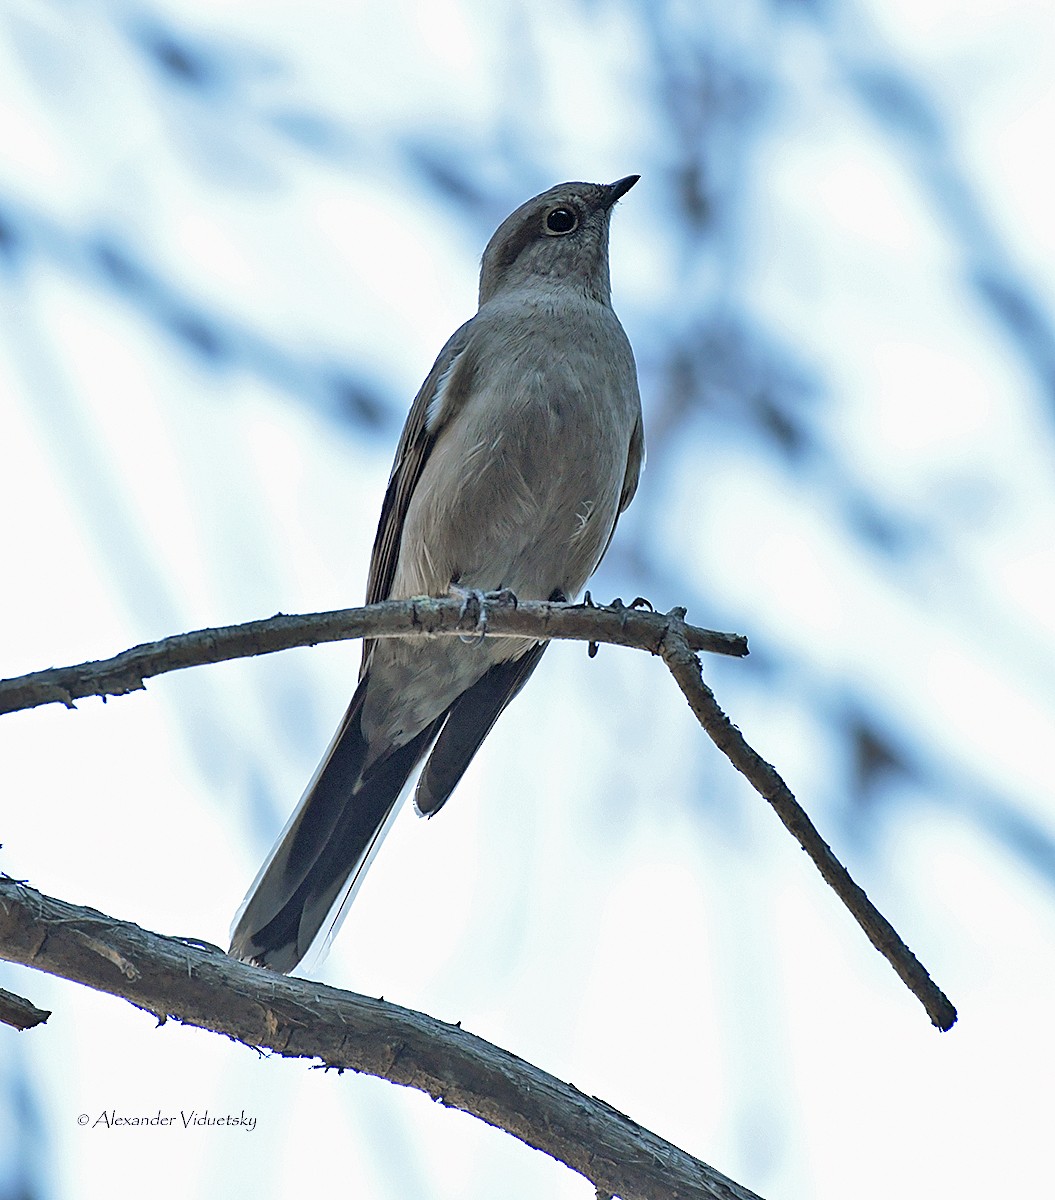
x=623 y=609
x=474 y=607
x=638 y=602
x=502 y=597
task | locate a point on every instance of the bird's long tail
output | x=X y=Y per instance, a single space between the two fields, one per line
x=327 y=845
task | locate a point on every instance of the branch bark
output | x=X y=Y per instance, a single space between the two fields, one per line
x=685 y=667
x=20 y=1013
x=500 y=615
x=127 y=672
x=296 y=1018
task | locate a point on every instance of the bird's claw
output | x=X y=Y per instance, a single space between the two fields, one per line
x=474 y=606
x=503 y=596
x=637 y=602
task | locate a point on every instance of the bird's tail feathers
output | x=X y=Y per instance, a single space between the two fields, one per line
x=321 y=857
x=468 y=721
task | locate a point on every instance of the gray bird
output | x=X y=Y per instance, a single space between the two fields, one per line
x=521 y=449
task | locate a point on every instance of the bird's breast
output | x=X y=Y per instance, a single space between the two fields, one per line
x=522 y=487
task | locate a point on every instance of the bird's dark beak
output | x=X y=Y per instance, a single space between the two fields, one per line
x=613 y=191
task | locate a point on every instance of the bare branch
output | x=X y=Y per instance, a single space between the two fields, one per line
x=20 y=1013
x=128 y=671
x=300 y=1019
x=501 y=615
x=685 y=667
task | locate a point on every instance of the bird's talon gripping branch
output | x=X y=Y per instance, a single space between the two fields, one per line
x=474 y=607
x=502 y=597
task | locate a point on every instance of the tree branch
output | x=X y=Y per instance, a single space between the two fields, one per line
x=501 y=615
x=296 y=1018
x=128 y=671
x=685 y=667
x=20 y=1013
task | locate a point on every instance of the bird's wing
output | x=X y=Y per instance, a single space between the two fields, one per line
x=439 y=397
x=634 y=461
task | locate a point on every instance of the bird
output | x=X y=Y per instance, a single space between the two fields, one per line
x=520 y=451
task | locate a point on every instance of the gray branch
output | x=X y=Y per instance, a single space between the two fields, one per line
x=200 y=985
x=685 y=667
x=20 y=1013
x=500 y=615
x=127 y=672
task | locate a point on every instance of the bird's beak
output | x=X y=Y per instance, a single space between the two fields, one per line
x=613 y=191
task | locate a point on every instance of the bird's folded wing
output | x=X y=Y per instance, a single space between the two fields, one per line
x=415 y=446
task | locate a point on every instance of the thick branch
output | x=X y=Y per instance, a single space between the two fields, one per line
x=685 y=667
x=126 y=672
x=300 y=1019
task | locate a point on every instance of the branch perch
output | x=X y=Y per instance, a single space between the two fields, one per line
x=666 y=635
x=128 y=671
x=297 y=1018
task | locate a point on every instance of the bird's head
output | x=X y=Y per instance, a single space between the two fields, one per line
x=559 y=238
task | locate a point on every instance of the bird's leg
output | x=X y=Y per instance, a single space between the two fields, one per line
x=474 y=603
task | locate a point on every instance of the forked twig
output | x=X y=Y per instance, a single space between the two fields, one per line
x=666 y=635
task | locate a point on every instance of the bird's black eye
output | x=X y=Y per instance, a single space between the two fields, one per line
x=560 y=220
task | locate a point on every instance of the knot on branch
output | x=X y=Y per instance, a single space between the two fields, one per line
x=674 y=637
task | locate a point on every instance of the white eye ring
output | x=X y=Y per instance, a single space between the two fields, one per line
x=561 y=220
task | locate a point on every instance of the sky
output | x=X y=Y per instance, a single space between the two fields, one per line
x=233 y=236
